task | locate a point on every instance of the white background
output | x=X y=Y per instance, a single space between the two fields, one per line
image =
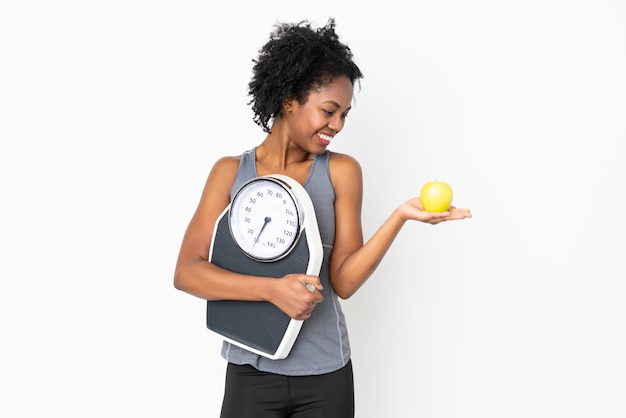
x=112 y=114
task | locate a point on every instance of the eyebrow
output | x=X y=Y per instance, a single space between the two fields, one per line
x=336 y=105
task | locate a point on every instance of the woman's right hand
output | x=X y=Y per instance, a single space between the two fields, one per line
x=297 y=295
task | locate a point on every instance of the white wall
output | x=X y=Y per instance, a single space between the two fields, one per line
x=112 y=113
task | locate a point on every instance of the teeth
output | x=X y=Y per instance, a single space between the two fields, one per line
x=325 y=137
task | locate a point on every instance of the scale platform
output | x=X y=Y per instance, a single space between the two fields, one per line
x=261 y=327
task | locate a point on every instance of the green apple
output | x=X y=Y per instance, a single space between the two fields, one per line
x=436 y=196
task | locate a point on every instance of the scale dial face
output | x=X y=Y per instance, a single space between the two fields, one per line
x=265 y=219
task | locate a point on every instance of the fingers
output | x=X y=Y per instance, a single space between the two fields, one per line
x=307 y=313
x=459 y=213
x=312 y=284
x=450 y=215
x=302 y=293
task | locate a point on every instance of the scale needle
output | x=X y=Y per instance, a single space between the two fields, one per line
x=267 y=220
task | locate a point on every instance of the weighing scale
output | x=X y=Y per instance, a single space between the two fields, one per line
x=269 y=229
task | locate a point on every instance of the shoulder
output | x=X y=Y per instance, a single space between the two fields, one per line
x=222 y=176
x=343 y=165
x=227 y=163
x=345 y=172
x=225 y=168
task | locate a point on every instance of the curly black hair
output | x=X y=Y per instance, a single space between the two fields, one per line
x=295 y=60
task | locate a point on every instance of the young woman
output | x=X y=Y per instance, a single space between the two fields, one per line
x=302 y=92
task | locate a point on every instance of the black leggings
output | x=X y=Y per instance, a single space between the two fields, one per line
x=250 y=393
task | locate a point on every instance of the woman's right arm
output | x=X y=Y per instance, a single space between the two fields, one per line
x=195 y=275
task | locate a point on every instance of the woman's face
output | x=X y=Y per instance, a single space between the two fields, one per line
x=313 y=125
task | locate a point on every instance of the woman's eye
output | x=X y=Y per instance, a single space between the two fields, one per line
x=332 y=112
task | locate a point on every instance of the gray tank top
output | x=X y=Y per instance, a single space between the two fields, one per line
x=322 y=345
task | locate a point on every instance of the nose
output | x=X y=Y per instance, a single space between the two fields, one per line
x=337 y=124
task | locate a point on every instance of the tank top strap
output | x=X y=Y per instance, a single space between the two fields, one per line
x=246 y=170
x=319 y=170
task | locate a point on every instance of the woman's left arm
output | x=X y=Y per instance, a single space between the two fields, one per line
x=353 y=262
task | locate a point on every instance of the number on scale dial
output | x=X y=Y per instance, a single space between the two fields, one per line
x=265 y=219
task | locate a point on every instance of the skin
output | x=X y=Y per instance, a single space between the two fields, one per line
x=289 y=149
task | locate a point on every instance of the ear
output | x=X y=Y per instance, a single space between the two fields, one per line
x=289 y=104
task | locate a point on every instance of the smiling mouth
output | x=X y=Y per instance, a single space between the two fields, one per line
x=325 y=139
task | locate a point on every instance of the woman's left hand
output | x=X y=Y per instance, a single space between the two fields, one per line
x=414 y=210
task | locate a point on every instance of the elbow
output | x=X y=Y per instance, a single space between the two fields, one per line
x=343 y=289
x=179 y=280
x=188 y=278
x=343 y=292
x=345 y=295
x=178 y=283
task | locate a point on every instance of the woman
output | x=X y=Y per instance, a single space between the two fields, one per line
x=302 y=91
